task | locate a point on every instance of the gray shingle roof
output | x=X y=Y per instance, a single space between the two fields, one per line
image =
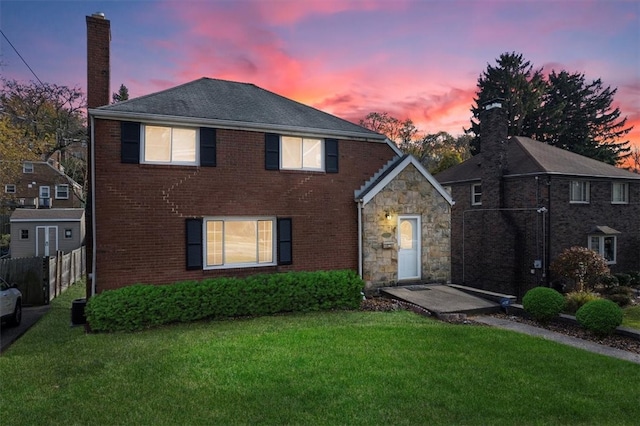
x=528 y=156
x=68 y=215
x=231 y=104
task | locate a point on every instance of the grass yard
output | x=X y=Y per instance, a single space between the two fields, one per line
x=356 y=368
x=632 y=317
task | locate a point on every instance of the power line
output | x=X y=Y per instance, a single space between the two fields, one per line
x=20 y=56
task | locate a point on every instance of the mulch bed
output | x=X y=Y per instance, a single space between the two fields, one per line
x=624 y=343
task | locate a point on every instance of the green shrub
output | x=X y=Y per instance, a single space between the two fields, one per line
x=608 y=282
x=635 y=279
x=543 y=303
x=623 y=279
x=142 y=306
x=576 y=299
x=600 y=316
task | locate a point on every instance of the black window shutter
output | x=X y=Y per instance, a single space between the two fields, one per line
x=194 y=243
x=271 y=151
x=285 y=243
x=129 y=142
x=331 y=155
x=207 y=147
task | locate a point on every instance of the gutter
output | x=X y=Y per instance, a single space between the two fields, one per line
x=236 y=125
x=93 y=209
x=360 y=238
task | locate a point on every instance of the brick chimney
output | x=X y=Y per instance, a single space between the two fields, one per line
x=494 y=127
x=98 y=66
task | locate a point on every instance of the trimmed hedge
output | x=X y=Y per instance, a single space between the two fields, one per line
x=543 y=303
x=600 y=316
x=143 y=306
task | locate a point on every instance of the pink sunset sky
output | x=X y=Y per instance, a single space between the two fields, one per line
x=412 y=59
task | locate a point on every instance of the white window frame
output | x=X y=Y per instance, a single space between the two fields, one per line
x=27 y=167
x=625 y=193
x=476 y=196
x=143 y=158
x=10 y=188
x=601 y=245
x=302 y=140
x=224 y=264
x=64 y=196
x=44 y=192
x=585 y=192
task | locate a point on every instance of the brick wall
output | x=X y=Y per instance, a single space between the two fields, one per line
x=141 y=209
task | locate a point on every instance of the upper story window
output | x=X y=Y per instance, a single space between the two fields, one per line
x=10 y=188
x=476 y=194
x=301 y=153
x=579 y=192
x=239 y=242
x=605 y=245
x=27 y=167
x=62 y=192
x=169 y=145
x=619 y=193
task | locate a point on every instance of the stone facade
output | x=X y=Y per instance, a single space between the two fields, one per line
x=409 y=193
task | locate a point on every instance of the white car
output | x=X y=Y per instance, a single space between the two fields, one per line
x=10 y=303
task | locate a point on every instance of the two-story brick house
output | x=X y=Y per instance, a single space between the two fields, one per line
x=219 y=178
x=42 y=184
x=520 y=202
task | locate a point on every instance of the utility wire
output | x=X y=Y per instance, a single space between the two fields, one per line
x=20 y=56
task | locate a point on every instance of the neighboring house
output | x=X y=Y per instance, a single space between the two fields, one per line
x=42 y=185
x=520 y=202
x=42 y=232
x=217 y=178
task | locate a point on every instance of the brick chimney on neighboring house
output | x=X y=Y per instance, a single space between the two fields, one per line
x=493 y=147
x=98 y=94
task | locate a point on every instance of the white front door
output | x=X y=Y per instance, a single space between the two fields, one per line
x=408 y=247
x=46 y=240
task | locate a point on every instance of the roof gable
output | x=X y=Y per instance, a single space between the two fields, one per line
x=392 y=169
x=229 y=104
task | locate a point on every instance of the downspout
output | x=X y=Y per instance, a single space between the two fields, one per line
x=93 y=210
x=360 y=238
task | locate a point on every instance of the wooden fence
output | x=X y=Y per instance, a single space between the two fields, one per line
x=41 y=279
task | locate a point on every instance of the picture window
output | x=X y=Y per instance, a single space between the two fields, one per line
x=239 y=242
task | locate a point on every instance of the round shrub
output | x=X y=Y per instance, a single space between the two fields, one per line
x=576 y=299
x=600 y=316
x=543 y=303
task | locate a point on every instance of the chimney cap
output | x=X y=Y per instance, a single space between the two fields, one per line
x=99 y=15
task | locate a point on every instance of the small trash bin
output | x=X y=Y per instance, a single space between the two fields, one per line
x=77 y=312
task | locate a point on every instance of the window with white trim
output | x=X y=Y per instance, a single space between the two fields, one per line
x=476 y=194
x=169 y=145
x=10 y=188
x=239 y=242
x=62 y=192
x=579 y=192
x=605 y=245
x=301 y=153
x=68 y=233
x=27 y=167
x=619 y=193
x=45 y=192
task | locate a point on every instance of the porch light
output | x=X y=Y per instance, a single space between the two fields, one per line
x=387 y=215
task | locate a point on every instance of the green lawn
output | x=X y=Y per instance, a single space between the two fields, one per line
x=364 y=368
x=632 y=317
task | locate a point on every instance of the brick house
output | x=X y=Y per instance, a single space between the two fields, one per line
x=219 y=178
x=520 y=202
x=42 y=184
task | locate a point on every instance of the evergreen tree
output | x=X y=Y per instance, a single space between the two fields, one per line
x=563 y=110
x=121 y=95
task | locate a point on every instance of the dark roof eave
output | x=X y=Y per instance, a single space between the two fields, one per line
x=235 y=125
